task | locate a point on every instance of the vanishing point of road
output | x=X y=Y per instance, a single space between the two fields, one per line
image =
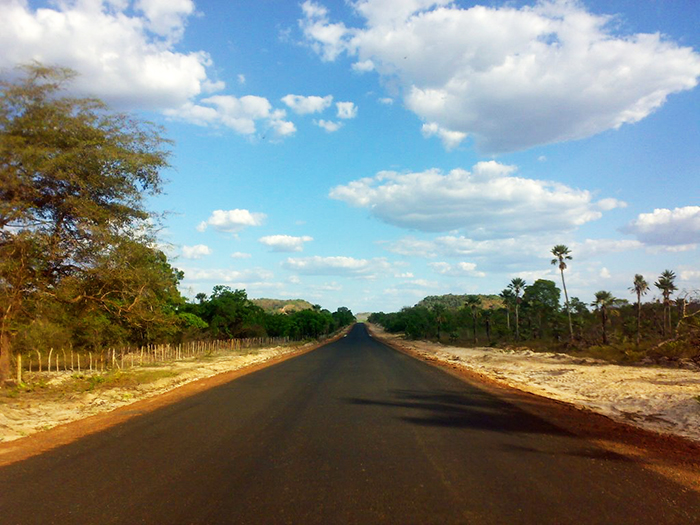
x=353 y=432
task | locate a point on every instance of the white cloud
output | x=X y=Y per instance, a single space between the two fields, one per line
x=195 y=252
x=490 y=201
x=346 y=266
x=678 y=228
x=241 y=79
x=232 y=221
x=327 y=39
x=240 y=277
x=595 y=247
x=450 y=139
x=328 y=125
x=461 y=269
x=512 y=78
x=346 y=110
x=604 y=273
x=386 y=101
x=364 y=66
x=690 y=275
x=239 y=114
x=285 y=243
x=240 y=255
x=304 y=105
x=127 y=58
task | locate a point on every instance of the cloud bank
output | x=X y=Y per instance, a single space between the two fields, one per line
x=511 y=78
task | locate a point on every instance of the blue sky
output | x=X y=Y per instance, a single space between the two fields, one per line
x=368 y=153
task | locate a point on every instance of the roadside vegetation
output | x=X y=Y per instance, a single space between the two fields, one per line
x=80 y=268
x=536 y=316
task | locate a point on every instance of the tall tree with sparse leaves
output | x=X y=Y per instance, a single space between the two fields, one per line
x=603 y=301
x=666 y=283
x=517 y=284
x=561 y=255
x=73 y=177
x=639 y=287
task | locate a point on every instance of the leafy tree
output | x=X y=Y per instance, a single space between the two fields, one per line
x=666 y=283
x=541 y=299
x=439 y=310
x=517 y=284
x=640 y=287
x=562 y=254
x=73 y=177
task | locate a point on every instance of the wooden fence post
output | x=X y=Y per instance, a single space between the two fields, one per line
x=19 y=369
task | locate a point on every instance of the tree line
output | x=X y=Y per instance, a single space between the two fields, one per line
x=534 y=314
x=79 y=263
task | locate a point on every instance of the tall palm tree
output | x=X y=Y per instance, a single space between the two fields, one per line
x=517 y=284
x=508 y=296
x=640 y=287
x=561 y=255
x=473 y=302
x=667 y=286
x=603 y=300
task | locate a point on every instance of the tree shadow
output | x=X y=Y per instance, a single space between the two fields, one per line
x=455 y=409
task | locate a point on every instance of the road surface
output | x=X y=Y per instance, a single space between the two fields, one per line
x=353 y=432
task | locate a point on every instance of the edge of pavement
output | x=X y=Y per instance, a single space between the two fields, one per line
x=671 y=456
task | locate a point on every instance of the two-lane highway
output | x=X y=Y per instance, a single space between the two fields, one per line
x=353 y=432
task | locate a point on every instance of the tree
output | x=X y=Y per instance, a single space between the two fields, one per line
x=517 y=284
x=508 y=298
x=73 y=177
x=640 y=287
x=561 y=255
x=473 y=302
x=603 y=301
x=438 y=310
x=666 y=284
x=542 y=299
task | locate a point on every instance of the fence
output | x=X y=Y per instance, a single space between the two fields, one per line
x=130 y=357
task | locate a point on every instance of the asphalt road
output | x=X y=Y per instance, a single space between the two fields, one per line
x=353 y=432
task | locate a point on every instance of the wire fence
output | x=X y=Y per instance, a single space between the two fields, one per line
x=121 y=358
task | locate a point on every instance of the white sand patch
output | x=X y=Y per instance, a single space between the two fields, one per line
x=22 y=416
x=659 y=399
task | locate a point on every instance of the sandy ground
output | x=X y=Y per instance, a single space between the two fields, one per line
x=27 y=414
x=663 y=400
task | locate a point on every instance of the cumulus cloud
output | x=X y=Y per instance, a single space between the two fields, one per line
x=285 y=243
x=346 y=110
x=511 y=78
x=344 y=266
x=232 y=221
x=328 y=125
x=240 y=255
x=236 y=278
x=126 y=57
x=304 y=105
x=239 y=114
x=461 y=269
x=679 y=228
x=490 y=201
x=595 y=247
x=195 y=252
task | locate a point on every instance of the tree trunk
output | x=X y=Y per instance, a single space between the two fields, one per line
x=517 y=322
x=5 y=361
x=568 y=310
x=639 y=316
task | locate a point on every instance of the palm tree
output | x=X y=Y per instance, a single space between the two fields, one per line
x=640 y=287
x=473 y=302
x=517 y=285
x=667 y=286
x=439 y=312
x=507 y=296
x=561 y=254
x=603 y=300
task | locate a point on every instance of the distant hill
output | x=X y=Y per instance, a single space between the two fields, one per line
x=283 y=305
x=454 y=302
